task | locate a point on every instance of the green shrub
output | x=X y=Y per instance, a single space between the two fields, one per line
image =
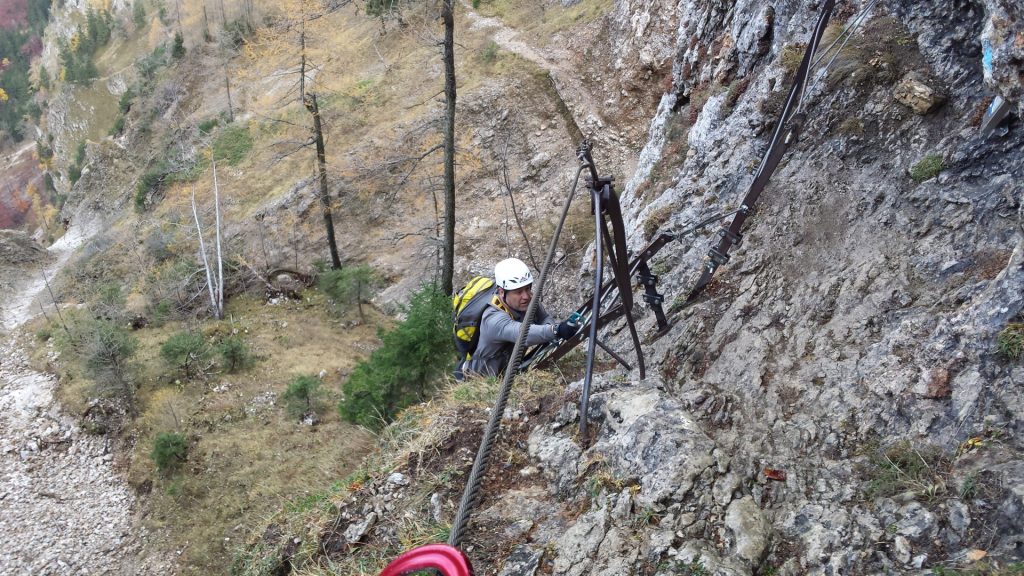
x=302 y=396
x=490 y=52
x=124 y=103
x=379 y=7
x=149 y=181
x=234 y=353
x=169 y=451
x=233 y=144
x=349 y=285
x=107 y=350
x=80 y=153
x=178 y=50
x=118 y=126
x=185 y=351
x=401 y=372
x=138 y=13
x=928 y=168
x=160 y=314
x=1010 y=341
x=109 y=302
x=148 y=66
x=207 y=126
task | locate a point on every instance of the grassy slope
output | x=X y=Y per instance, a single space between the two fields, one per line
x=251 y=466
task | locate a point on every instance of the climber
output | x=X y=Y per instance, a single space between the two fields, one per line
x=501 y=321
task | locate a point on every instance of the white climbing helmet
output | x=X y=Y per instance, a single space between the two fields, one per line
x=512 y=273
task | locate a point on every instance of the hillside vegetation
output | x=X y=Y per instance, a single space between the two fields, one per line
x=226 y=423
x=843 y=398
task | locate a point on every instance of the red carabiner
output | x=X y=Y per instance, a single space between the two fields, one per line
x=450 y=561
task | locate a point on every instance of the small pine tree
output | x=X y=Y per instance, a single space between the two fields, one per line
x=349 y=285
x=44 y=78
x=170 y=450
x=124 y=103
x=234 y=353
x=302 y=396
x=108 y=350
x=178 y=51
x=138 y=14
x=402 y=370
x=185 y=351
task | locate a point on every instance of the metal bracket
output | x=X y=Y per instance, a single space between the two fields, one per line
x=735 y=239
x=650 y=283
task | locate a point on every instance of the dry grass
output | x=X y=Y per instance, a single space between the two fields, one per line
x=413 y=440
x=250 y=465
x=247 y=461
x=541 y=20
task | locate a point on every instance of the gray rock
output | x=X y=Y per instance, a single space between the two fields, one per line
x=959 y=516
x=647 y=435
x=750 y=529
x=558 y=457
x=915 y=521
x=575 y=549
x=901 y=547
x=522 y=561
x=357 y=530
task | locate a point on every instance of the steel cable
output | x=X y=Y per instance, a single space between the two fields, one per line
x=472 y=490
x=846 y=35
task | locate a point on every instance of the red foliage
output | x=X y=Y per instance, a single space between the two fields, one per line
x=9 y=217
x=20 y=172
x=13 y=14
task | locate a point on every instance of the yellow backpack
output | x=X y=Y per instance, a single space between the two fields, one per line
x=468 y=307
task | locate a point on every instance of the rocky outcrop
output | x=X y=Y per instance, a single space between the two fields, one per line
x=18 y=248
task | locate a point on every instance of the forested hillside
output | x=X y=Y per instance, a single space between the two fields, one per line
x=237 y=349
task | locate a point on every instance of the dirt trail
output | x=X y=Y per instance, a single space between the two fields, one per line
x=558 y=61
x=20 y=305
x=63 y=507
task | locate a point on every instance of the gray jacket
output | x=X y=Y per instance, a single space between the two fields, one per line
x=498 y=333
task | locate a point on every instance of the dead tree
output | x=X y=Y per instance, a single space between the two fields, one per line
x=448 y=248
x=321 y=164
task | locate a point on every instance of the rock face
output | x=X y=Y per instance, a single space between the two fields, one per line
x=17 y=248
x=859 y=316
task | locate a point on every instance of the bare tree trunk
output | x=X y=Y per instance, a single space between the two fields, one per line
x=227 y=86
x=206 y=25
x=302 y=57
x=54 y=299
x=202 y=252
x=263 y=242
x=448 y=258
x=359 y=300
x=43 y=310
x=220 y=257
x=321 y=162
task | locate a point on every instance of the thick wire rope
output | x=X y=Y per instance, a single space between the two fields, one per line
x=472 y=491
x=846 y=35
